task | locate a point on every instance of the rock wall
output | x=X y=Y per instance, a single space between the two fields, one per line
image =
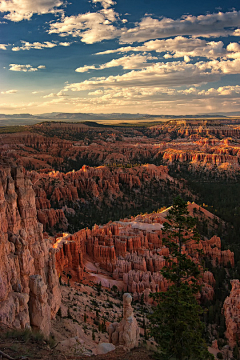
x=70 y=252
x=55 y=191
x=24 y=254
x=186 y=129
x=231 y=309
x=172 y=155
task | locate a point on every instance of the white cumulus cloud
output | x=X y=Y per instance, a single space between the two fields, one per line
x=38 y=45
x=35 y=45
x=51 y=95
x=91 y=27
x=220 y=67
x=3 y=46
x=96 y=92
x=177 y=47
x=176 y=73
x=105 y=3
x=8 y=92
x=18 y=10
x=210 y=25
x=127 y=62
x=86 y=68
x=65 y=43
x=25 y=68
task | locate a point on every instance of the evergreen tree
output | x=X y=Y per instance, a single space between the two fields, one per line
x=175 y=322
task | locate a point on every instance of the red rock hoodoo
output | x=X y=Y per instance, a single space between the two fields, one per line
x=132 y=251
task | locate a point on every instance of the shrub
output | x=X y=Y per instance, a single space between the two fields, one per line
x=26 y=335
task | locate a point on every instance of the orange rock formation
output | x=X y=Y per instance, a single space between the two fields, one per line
x=132 y=251
x=200 y=143
x=29 y=290
x=58 y=189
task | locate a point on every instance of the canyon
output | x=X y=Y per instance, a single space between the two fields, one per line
x=131 y=251
x=64 y=146
x=84 y=206
x=86 y=174
x=60 y=193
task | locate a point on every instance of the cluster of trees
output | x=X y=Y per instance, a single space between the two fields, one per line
x=178 y=323
x=225 y=207
x=151 y=196
x=176 y=320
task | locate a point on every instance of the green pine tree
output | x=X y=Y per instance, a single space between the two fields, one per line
x=175 y=323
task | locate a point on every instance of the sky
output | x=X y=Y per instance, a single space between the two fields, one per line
x=119 y=56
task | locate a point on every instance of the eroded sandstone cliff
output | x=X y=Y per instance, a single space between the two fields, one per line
x=132 y=251
x=231 y=309
x=60 y=194
x=29 y=290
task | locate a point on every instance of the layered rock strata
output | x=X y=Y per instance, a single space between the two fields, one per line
x=29 y=286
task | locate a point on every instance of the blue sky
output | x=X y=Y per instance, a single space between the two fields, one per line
x=103 y=56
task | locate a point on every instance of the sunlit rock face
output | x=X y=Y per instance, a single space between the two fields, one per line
x=209 y=145
x=173 y=155
x=24 y=254
x=132 y=253
x=198 y=129
x=54 y=190
x=232 y=314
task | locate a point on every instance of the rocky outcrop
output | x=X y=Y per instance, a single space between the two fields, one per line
x=231 y=309
x=24 y=254
x=212 y=248
x=58 y=193
x=57 y=188
x=132 y=251
x=52 y=217
x=70 y=252
x=126 y=332
x=63 y=147
x=197 y=157
x=39 y=310
x=200 y=128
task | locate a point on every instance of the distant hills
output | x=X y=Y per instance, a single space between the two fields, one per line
x=29 y=119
